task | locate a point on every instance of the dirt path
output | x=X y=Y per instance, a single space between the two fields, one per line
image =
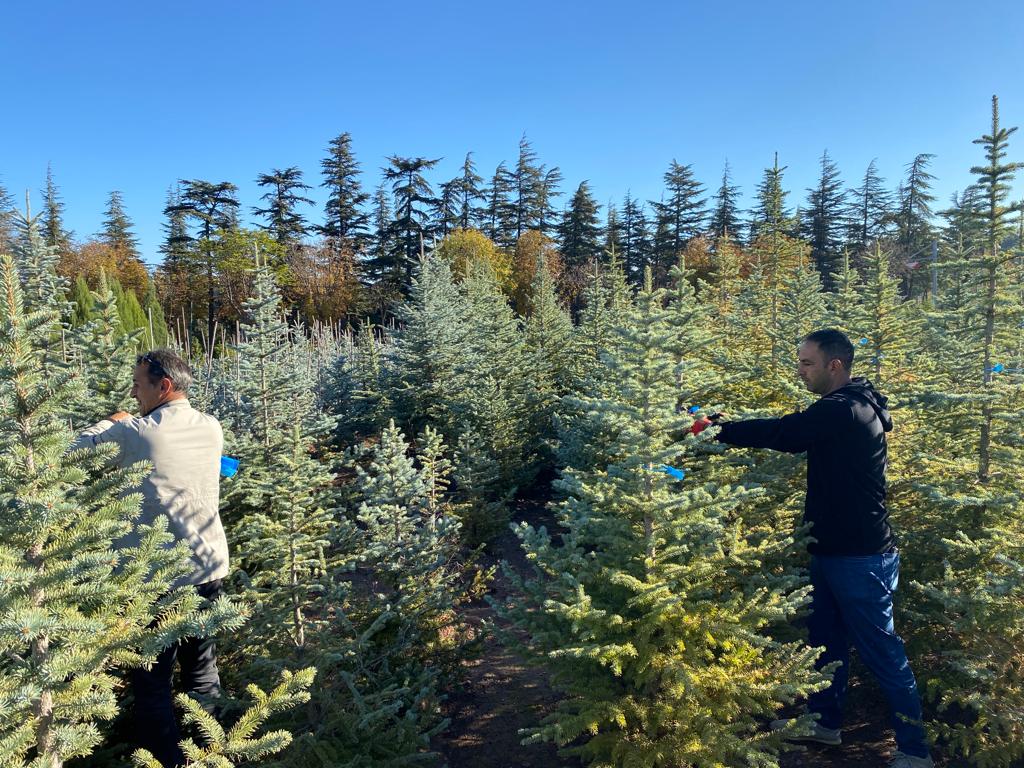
x=501 y=695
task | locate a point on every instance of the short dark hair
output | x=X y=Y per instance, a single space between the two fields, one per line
x=163 y=363
x=835 y=344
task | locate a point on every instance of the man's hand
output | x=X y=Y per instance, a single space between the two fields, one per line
x=706 y=421
x=120 y=416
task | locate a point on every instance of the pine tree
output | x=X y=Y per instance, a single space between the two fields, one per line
x=968 y=507
x=770 y=215
x=345 y=221
x=213 y=206
x=54 y=233
x=682 y=207
x=913 y=210
x=413 y=195
x=547 y=191
x=240 y=744
x=649 y=615
x=411 y=541
x=428 y=345
x=469 y=193
x=6 y=220
x=634 y=239
x=444 y=211
x=547 y=339
x=824 y=220
x=117 y=229
x=994 y=181
x=175 y=247
x=725 y=219
x=499 y=211
x=381 y=266
x=75 y=607
x=870 y=210
x=488 y=394
x=527 y=180
x=579 y=232
x=284 y=221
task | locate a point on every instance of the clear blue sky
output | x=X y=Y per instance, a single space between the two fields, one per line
x=133 y=96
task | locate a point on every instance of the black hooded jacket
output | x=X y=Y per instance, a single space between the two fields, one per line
x=843 y=434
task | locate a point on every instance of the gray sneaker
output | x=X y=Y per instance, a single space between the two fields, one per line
x=833 y=737
x=901 y=760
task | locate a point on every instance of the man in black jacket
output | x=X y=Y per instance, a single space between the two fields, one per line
x=854 y=562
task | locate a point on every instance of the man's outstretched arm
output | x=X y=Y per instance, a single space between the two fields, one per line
x=794 y=433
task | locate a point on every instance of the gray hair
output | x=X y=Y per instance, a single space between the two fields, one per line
x=163 y=363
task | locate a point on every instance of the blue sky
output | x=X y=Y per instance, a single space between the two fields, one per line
x=133 y=96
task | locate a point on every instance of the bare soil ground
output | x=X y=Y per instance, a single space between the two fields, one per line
x=501 y=695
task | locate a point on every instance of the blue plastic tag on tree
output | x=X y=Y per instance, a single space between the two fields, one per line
x=693 y=409
x=997 y=368
x=864 y=340
x=678 y=474
x=228 y=466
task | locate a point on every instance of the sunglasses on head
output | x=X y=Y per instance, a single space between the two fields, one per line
x=155 y=368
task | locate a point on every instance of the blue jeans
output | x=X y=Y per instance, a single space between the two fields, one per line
x=852 y=602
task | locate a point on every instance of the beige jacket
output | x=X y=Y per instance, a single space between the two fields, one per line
x=184 y=447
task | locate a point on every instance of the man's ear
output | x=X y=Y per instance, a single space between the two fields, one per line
x=166 y=386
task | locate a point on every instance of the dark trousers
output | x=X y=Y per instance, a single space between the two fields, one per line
x=156 y=728
x=851 y=602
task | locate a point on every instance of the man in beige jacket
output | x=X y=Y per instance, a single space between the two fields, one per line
x=184 y=446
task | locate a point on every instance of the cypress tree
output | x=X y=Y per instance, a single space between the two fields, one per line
x=156 y=335
x=104 y=352
x=83 y=308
